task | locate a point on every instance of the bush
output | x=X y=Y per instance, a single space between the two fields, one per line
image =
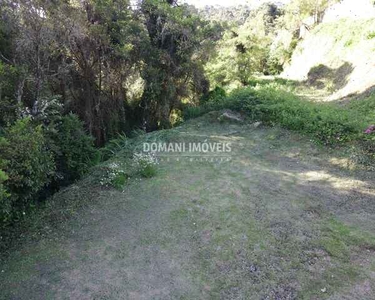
x=114 y=146
x=119 y=181
x=34 y=156
x=4 y=203
x=73 y=147
x=192 y=112
x=27 y=163
x=274 y=105
x=213 y=96
x=325 y=122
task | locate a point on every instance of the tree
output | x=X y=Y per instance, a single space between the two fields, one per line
x=297 y=11
x=99 y=42
x=245 y=50
x=89 y=53
x=171 y=59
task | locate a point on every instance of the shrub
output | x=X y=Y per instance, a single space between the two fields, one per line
x=325 y=122
x=73 y=147
x=114 y=146
x=4 y=195
x=57 y=151
x=371 y=35
x=27 y=163
x=365 y=152
x=272 y=104
x=364 y=109
x=213 y=96
x=192 y=112
x=119 y=181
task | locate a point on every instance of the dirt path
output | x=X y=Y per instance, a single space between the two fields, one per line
x=282 y=220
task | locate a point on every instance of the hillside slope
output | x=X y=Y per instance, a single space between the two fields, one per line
x=282 y=220
x=338 y=57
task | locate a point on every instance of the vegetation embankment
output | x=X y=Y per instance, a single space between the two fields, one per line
x=74 y=75
x=276 y=103
x=336 y=57
x=284 y=219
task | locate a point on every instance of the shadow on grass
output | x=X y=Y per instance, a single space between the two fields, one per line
x=322 y=76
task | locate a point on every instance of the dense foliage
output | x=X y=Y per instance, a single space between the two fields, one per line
x=78 y=73
x=116 y=66
x=173 y=68
x=27 y=162
x=259 y=41
x=258 y=45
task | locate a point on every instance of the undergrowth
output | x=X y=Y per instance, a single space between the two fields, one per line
x=275 y=104
x=121 y=163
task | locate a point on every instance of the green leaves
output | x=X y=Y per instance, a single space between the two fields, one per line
x=28 y=163
x=76 y=150
x=271 y=104
x=173 y=65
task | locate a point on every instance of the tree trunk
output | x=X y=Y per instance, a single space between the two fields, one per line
x=19 y=92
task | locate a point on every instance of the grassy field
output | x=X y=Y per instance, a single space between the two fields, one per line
x=284 y=219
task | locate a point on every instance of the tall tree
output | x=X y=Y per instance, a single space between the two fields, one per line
x=100 y=42
x=172 y=61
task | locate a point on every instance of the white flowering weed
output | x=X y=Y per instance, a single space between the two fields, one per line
x=145 y=163
x=114 y=173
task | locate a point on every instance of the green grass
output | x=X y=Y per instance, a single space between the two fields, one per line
x=339 y=238
x=371 y=35
x=251 y=228
x=271 y=104
x=363 y=108
x=275 y=103
x=347 y=31
x=119 y=181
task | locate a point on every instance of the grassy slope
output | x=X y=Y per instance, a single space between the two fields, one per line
x=339 y=57
x=283 y=220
